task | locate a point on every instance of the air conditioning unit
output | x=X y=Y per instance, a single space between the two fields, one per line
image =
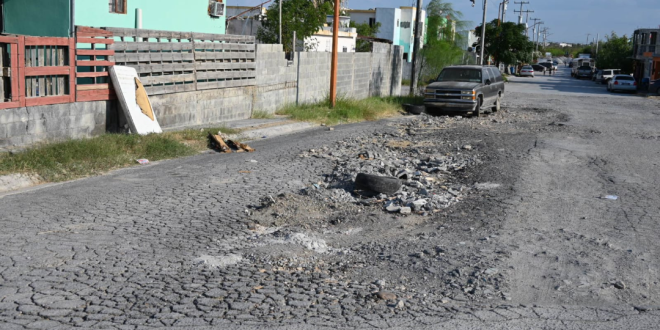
x=217 y=9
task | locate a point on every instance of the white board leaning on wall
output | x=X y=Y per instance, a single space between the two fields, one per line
x=134 y=101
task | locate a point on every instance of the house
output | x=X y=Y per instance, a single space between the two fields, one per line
x=396 y=25
x=563 y=44
x=646 y=54
x=321 y=41
x=58 y=18
x=245 y=20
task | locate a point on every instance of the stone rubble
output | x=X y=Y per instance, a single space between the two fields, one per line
x=426 y=175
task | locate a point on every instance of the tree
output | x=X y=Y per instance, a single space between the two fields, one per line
x=614 y=53
x=506 y=42
x=443 y=20
x=302 y=16
x=365 y=30
x=441 y=47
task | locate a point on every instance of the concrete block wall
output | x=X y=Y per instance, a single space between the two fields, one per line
x=211 y=106
x=276 y=79
x=278 y=83
x=29 y=125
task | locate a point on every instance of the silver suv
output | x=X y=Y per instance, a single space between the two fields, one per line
x=604 y=76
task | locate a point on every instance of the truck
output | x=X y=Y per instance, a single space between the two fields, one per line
x=580 y=63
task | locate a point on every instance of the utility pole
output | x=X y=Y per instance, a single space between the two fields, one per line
x=505 y=4
x=335 y=47
x=280 y=35
x=597 y=41
x=419 y=27
x=533 y=28
x=527 y=12
x=483 y=32
x=588 y=34
x=520 y=21
x=538 y=35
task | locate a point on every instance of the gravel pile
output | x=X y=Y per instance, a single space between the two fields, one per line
x=427 y=173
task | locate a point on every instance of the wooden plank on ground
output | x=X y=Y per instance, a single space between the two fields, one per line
x=222 y=146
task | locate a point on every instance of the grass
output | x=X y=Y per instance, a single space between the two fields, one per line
x=74 y=159
x=348 y=110
x=262 y=115
x=405 y=82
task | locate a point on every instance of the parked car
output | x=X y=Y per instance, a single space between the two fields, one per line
x=584 y=72
x=527 y=71
x=654 y=87
x=607 y=74
x=538 y=68
x=555 y=65
x=548 y=66
x=465 y=89
x=596 y=75
x=622 y=82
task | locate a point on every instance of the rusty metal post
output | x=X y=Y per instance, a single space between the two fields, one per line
x=335 y=48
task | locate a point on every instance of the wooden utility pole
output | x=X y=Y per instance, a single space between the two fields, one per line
x=335 y=48
x=483 y=33
x=418 y=28
x=280 y=35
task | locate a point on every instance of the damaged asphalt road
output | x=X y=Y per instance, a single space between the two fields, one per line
x=519 y=237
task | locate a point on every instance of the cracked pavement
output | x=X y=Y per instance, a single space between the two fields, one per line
x=175 y=244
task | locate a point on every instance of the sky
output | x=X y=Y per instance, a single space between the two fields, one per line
x=568 y=20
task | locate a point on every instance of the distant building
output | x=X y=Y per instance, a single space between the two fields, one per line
x=563 y=44
x=396 y=25
x=321 y=41
x=646 y=54
x=57 y=18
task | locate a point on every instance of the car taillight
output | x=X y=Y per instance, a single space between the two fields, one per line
x=616 y=82
x=635 y=83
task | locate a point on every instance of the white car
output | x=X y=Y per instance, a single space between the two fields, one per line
x=604 y=76
x=527 y=71
x=622 y=82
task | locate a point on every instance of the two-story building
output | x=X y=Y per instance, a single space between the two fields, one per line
x=58 y=18
x=396 y=25
x=646 y=54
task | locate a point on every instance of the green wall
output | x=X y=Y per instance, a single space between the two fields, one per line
x=49 y=18
x=170 y=15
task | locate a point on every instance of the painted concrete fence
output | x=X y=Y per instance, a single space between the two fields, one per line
x=278 y=82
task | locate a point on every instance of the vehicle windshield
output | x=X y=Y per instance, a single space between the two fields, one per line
x=547 y=65
x=464 y=75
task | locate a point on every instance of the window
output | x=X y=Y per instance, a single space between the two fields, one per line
x=372 y=22
x=118 y=6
